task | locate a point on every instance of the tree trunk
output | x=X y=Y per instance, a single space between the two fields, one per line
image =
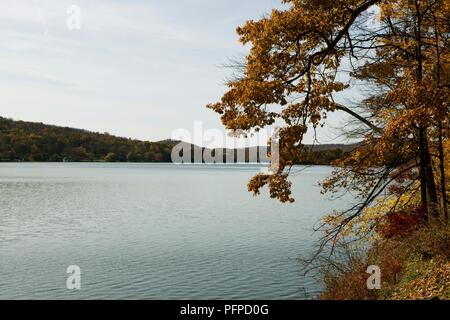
x=422 y=172
x=442 y=169
x=431 y=183
x=428 y=185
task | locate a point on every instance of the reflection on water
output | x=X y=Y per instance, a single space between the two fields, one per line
x=141 y=231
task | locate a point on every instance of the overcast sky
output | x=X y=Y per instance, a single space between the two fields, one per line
x=136 y=68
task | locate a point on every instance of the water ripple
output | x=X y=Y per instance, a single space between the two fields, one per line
x=153 y=232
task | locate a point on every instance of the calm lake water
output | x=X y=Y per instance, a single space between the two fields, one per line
x=144 y=231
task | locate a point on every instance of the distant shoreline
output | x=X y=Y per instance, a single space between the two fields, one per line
x=37 y=142
x=161 y=163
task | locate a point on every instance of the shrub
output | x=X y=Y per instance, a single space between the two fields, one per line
x=414 y=259
x=401 y=224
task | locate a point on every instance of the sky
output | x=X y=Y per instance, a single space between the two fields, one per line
x=142 y=69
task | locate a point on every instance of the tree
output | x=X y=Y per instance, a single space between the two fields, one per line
x=111 y=157
x=302 y=56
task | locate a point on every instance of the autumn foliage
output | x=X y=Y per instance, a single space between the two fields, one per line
x=401 y=224
x=416 y=266
x=305 y=57
x=304 y=60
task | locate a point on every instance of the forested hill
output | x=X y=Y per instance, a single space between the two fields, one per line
x=29 y=141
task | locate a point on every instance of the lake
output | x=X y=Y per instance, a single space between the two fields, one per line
x=155 y=231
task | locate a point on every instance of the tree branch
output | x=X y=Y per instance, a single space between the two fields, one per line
x=360 y=118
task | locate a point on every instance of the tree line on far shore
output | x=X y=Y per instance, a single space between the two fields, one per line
x=38 y=142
